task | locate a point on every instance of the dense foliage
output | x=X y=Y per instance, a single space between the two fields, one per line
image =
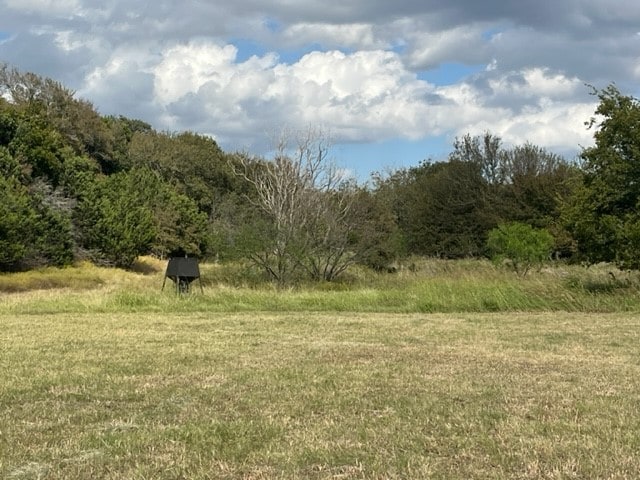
x=521 y=245
x=446 y=209
x=78 y=185
x=604 y=212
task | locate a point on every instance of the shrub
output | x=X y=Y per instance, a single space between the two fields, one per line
x=521 y=244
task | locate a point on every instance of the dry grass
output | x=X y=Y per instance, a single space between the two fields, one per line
x=423 y=286
x=317 y=395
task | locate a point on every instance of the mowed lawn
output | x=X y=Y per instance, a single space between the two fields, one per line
x=319 y=395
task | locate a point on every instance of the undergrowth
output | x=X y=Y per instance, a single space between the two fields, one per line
x=427 y=285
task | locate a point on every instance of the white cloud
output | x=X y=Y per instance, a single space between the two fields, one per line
x=189 y=64
x=536 y=82
x=361 y=95
x=185 y=68
x=364 y=96
x=541 y=107
x=354 y=35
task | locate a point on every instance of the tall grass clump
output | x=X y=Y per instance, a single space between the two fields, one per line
x=85 y=277
x=419 y=285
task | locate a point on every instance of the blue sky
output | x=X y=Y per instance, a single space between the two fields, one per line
x=392 y=83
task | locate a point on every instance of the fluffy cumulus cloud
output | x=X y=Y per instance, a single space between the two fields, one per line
x=359 y=96
x=366 y=71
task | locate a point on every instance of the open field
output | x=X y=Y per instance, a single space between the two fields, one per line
x=117 y=381
x=207 y=395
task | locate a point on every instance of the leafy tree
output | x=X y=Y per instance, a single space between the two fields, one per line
x=132 y=190
x=441 y=209
x=76 y=122
x=78 y=175
x=18 y=222
x=53 y=241
x=375 y=235
x=8 y=122
x=525 y=183
x=116 y=226
x=535 y=184
x=10 y=167
x=37 y=144
x=483 y=151
x=523 y=245
x=35 y=230
x=178 y=224
x=604 y=212
x=447 y=208
x=194 y=164
x=123 y=130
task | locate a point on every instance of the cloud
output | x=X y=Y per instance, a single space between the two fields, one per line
x=461 y=44
x=351 y=35
x=58 y=8
x=362 y=96
x=355 y=66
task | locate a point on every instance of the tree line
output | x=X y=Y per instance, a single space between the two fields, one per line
x=79 y=185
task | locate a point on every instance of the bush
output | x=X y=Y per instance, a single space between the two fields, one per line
x=521 y=244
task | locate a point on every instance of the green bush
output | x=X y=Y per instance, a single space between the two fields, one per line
x=521 y=244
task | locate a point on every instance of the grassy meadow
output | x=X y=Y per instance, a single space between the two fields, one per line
x=442 y=370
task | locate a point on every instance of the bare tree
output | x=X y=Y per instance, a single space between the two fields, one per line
x=308 y=202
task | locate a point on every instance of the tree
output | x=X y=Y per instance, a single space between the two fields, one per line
x=307 y=203
x=116 y=225
x=194 y=164
x=447 y=208
x=37 y=144
x=35 y=226
x=484 y=151
x=441 y=209
x=178 y=224
x=108 y=188
x=521 y=244
x=75 y=121
x=18 y=222
x=375 y=235
x=604 y=212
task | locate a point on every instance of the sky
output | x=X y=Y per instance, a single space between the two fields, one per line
x=390 y=83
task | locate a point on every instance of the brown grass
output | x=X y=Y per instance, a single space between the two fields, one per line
x=317 y=395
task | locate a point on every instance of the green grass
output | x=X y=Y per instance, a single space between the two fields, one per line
x=316 y=395
x=442 y=370
x=430 y=286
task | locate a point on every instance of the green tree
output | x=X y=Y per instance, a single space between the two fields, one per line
x=75 y=121
x=178 y=224
x=441 y=209
x=194 y=164
x=447 y=208
x=115 y=223
x=36 y=227
x=521 y=244
x=18 y=221
x=604 y=212
x=38 y=145
x=375 y=235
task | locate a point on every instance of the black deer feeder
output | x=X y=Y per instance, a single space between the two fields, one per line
x=182 y=271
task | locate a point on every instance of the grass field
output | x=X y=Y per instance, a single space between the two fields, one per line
x=105 y=383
